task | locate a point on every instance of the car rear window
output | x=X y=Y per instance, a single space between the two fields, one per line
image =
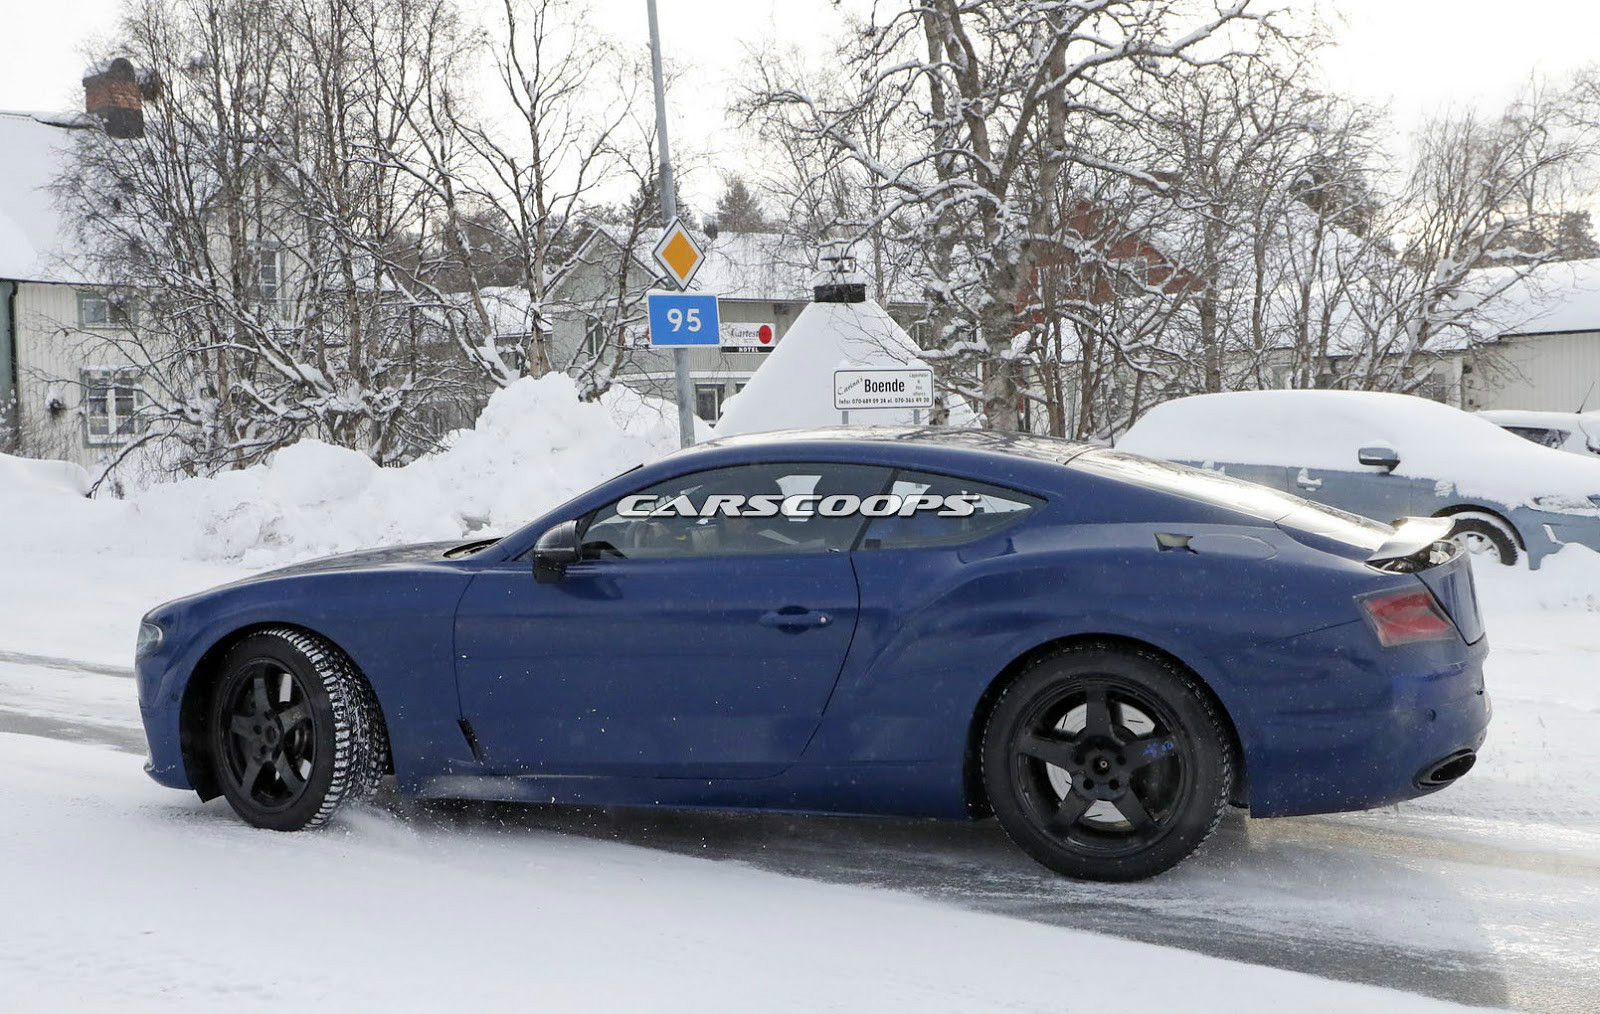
x=1540 y=435
x=1194 y=483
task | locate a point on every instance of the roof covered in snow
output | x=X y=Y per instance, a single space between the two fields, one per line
x=1555 y=298
x=34 y=245
x=755 y=265
x=747 y=265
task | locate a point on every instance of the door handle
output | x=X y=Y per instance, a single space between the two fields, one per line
x=1304 y=481
x=794 y=618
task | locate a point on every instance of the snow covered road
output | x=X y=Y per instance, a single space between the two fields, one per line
x=1488 y=893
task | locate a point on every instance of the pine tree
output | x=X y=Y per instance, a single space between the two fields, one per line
x=738 y=209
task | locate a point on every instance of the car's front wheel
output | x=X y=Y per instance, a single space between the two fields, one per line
x=1106 y=763
x=293 y=730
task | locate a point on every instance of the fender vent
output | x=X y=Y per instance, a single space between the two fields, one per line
x=472 y=740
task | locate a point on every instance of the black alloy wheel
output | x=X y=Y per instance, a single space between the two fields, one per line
x=293 y=731
x=1107 y=764
x=269 y=747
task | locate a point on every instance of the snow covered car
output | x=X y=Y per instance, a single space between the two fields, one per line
x=1573 y=432
x=1101 y=650
x=1387 y=456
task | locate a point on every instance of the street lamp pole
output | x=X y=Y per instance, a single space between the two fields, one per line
x=669 y=212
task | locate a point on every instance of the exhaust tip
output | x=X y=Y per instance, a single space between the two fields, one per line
x=1447 y=769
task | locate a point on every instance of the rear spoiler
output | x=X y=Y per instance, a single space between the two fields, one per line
x=1411 y=536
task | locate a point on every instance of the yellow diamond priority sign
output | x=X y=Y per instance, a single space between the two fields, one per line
x=678 y=254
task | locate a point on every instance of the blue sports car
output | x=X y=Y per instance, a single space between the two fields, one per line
x=1102 y=650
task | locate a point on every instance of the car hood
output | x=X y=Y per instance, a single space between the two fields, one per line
x=365 y=559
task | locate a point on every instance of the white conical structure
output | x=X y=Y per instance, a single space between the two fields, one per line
x=794 y=387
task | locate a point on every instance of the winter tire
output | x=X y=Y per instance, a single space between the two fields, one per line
x=293 y=730
x=1107 y=764
x=1485 y=537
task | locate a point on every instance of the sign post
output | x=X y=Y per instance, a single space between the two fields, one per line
x=669 y=216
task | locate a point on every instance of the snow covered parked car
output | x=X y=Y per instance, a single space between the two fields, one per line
x=1387 y=456
x=1573 y=432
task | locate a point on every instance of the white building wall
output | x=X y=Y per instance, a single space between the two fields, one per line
x=52 y=354
x=1546 y=373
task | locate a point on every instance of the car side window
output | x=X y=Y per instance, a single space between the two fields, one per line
x=968 y=510
x=768 y=508
x=1540 y=435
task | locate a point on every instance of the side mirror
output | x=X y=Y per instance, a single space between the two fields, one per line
x=556 y=550
x=1379 y=457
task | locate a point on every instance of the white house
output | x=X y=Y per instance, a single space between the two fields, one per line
x=63 y=394
x=1545 y=355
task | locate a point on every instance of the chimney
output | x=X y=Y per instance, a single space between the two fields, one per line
x=838 y=281
x=111 y=95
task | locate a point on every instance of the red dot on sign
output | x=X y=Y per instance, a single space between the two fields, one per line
x=765 y=334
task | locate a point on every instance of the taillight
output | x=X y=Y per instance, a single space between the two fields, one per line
x=1405 y=616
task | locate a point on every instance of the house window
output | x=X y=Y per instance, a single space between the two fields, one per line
x=268 y=278
x=708 y=401
x=100 y=309
x=594 y=337
x=110 y=406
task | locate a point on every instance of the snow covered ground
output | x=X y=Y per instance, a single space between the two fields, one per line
x=122 y=896
x=115 y=893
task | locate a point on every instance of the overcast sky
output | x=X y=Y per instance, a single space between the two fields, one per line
x=1413 y=56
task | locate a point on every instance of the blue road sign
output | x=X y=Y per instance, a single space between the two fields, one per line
x=683 y=318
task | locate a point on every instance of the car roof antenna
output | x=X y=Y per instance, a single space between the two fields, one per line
x=1585 y=402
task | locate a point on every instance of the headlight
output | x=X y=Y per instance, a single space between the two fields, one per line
x=150 y=637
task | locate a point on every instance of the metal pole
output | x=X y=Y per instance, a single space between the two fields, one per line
x=669 y=212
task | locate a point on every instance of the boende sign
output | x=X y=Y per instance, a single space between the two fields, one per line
x=860 y=389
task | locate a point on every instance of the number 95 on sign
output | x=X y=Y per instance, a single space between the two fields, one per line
x=682 y=318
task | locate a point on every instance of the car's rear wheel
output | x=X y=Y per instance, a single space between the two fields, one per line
x=293 y=730
x=1485 y=537
x=1105 y=763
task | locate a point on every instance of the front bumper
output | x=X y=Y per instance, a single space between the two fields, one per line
x=160 y=709
x=1361 y=725
x=165 y=760
x=1546 y=532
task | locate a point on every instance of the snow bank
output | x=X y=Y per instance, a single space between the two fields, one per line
x=1566 y=581
x=1325 y=429
x=28 y=477
x=535 y=446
